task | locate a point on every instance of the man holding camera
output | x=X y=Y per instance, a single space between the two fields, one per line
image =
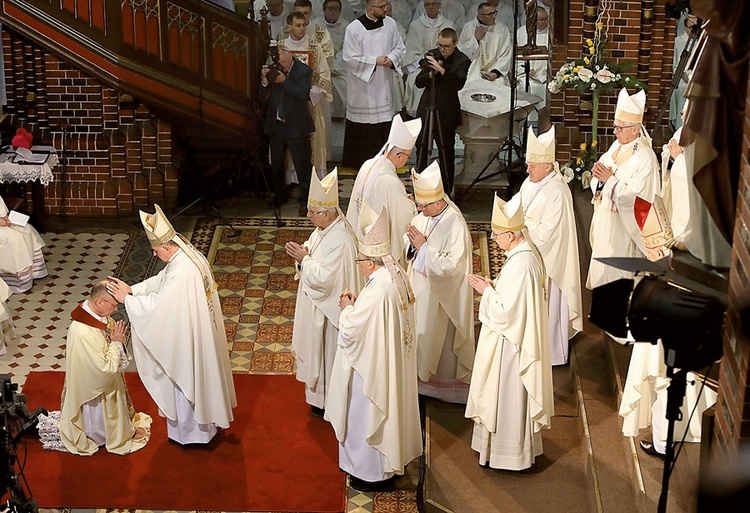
x=285 y=85
x=448 y=67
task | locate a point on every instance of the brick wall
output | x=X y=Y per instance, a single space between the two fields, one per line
x=733 y=405
x=639 y=32
x=119 y=156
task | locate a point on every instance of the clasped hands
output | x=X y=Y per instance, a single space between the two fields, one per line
x=601 y=172
x=384 y=61
x=296 y=251
x=416 y=238
x=478 y=283
x=117 y=333
x=347 y=298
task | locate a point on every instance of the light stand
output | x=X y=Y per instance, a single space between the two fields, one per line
x=432 y=126
x=675 y=395
x=509 y=145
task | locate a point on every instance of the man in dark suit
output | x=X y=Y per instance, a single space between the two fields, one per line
x=449 y=74
x=289 y=124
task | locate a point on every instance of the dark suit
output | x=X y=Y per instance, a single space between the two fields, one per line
x=288 y=127
x=448 y=111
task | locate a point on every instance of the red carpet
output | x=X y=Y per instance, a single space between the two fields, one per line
x=274 y=457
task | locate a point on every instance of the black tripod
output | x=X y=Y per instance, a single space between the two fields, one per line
x=509 y=146
x=430 y=128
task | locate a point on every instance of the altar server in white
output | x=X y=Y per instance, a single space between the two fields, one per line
x=373 y=51
x=628 y=169
x=488 y=45
x=21 y=258
x=378 y=184
x=372 y=403
x=439 y=254
x=325 y=266
x=511 y=396
x=550 y=219
x=178 y=336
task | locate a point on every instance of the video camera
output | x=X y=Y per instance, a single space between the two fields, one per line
x=435 y=54
x=275 y=65
x=15 y=421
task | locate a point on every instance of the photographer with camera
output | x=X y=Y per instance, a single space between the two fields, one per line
x=444 y=70
x=285 y=86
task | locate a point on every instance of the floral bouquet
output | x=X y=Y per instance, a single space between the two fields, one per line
x=594 y=73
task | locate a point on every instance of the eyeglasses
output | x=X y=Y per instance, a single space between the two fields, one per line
x=361 y=260
x=408 y=155
x=422 y=206
x=617 y=128
x=491 y=13
x=316 y=212
x=380 y=6
x=445 y=47
x=494 y=236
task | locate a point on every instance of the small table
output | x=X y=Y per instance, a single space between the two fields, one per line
x=38 y=173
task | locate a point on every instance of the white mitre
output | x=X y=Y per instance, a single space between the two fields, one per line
x=324 y=193
x=505 y=221
x=428 y=185
x=158 y=228
x=403 y=135
x=374 y=239
x=629 y=108
x=540 y=150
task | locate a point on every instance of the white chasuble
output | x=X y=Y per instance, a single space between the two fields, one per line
x=376 y=343
x=368 y=86
x=493 y=52
x=327 y=270
x=179 y=340
x=511 y=385
x=378 y=185
x=614 y=232
x=444 y=306
x=550 y=220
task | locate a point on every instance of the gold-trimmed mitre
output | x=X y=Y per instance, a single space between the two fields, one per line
x=158 y=228
x=374 y=239
x=540 y=150
x=630 y=108
x=404 y=134
x=506 y=221
x=324 y=193
x=428 y=185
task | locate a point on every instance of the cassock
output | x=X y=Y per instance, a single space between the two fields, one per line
x=614 y=232
x=308 y=51
x=369 y=97
x=21 y=258
x=372 y=404
x=511 y=395
x=327 y=270
x=7 y=330
x=378 y=185
x=96 y=408
x=183 y=363
x=422 y=36
x=550 y=220
x=493 y=52
x=338 y=70
x=444 y=306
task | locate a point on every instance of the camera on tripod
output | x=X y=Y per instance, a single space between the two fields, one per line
x=275 y=66
x=435 y=54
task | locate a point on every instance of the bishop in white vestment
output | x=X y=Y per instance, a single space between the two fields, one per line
x=511 y=395
x=372 y=404
x=178 y=337
x=378 y=185
x=628 y=169
x=550 y=219
x=325 y=266
x=440 y=258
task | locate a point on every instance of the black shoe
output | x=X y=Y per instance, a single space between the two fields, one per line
x=317 y=412
x=371 y=486
x=648 y=448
